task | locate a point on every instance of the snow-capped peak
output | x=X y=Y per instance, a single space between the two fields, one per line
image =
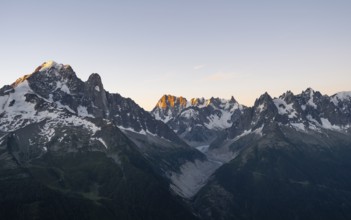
x=43 y=67
x=341 y=96
x=49 y=64
x=263 y=100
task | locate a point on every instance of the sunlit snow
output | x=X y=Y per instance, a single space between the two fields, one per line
x=49 y=64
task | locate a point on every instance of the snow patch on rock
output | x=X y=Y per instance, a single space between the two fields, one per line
x=103 y=142
x=327 y=125
x=298 y=126
x=260 y=108
x=16 y=111
x=123 y=129
x=310 y=102
x=284 y=108
x=63 y=87
x=165 y=119
x=189 y=113
x=221 y=121
x=60 y=106
x=83 y=112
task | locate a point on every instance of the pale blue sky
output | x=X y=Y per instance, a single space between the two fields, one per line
x=192 y=48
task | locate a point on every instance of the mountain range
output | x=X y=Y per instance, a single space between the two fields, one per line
x=71 y=150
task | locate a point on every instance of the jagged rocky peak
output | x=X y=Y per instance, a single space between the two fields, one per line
x=232 y=100
x=264 y=99
x=214 y=102
x=51 y=77
x=287 y=95
x=51 y=68
x=45 y=66
x=224 y=104
x=94 y=82
x=264 y=108
x=309 y=90
x=50 y=65
x=197 y=101
x=167 y=102
x=168 y=107
x=310 y=93
x=55 y=79
x=202 y=102
x=286 y=100
x=171 y=101
x=96 y=94
x=310 y=99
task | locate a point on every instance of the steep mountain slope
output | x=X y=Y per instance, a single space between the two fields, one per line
x=61 y=152
x=290 y=159
x=198 y=121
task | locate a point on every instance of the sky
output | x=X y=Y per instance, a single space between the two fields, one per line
x=190 y=48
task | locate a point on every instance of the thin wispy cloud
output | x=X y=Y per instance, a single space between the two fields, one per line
x=199 y=67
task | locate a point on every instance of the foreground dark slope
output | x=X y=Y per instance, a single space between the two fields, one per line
x=62 y=158
x=85 y=183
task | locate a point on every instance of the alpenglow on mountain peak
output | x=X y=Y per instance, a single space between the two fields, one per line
x=48 y=64
x=44 y=67
x=171 y=101
x=51 y=64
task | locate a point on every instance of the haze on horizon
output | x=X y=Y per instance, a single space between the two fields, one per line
x=197 y=48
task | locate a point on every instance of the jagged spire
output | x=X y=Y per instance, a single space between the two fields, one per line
x=265 y=97
x=95 y=83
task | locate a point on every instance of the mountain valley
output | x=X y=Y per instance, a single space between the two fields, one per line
x=69 y=149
